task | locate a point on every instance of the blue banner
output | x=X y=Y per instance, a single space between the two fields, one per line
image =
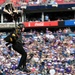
x=70 y=23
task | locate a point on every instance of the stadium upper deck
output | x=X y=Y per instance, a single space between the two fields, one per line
x=61 y=15
x=37 y=2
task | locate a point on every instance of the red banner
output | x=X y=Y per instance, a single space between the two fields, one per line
x=54 y=23
x=41 y=24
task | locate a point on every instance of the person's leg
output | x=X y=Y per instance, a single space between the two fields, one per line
x=19 y=49
x=24 y=59
x=22 y=62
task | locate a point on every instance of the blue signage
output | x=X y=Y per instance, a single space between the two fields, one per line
x=70 y=23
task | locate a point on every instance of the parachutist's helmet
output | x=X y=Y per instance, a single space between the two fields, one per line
x=20 y=26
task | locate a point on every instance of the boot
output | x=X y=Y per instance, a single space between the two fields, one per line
x=26 y=70
x=19 y=68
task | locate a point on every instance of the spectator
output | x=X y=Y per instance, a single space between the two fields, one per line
x=52 y=71
x=46 y=17
x=50 y=56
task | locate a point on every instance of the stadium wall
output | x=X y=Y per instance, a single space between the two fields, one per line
x=66 y=23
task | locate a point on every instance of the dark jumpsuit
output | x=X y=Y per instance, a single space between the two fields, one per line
x=18 y=46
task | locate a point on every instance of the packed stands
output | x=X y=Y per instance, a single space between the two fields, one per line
x=65 y=1
x=53 y=53
x=38 y=2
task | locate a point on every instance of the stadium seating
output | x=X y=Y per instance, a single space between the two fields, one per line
x=2 y=1
x=35 y=3
x=65 y=1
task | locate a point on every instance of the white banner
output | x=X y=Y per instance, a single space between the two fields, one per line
x=7 y=25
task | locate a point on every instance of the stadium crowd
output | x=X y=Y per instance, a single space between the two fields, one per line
x=36 y=2
x=40 y=2
x=49 y=53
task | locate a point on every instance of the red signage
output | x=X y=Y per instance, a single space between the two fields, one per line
x=54 y=23
x=36 y=24
x=41 y=24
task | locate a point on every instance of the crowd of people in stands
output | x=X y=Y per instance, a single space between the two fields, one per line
x=49 y=53
x=41 y=2
x=37 y=2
